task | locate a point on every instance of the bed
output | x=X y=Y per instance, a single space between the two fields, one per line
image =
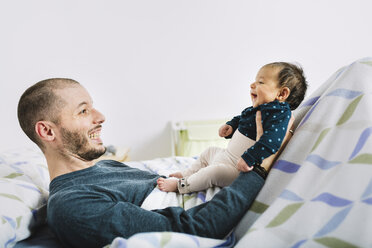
x=318 y=194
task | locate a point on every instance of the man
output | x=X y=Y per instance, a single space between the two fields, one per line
x=92 y=203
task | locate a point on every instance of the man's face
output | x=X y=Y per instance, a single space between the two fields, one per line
x=80 y=125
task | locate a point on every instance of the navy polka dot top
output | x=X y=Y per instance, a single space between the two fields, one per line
x=275 y=119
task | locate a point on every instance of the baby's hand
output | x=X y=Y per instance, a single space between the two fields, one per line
x=243 y=166
x=225 y=130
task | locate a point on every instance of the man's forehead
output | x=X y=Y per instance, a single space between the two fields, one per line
x=75 y=96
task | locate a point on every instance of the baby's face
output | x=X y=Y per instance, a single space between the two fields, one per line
x=266 y=87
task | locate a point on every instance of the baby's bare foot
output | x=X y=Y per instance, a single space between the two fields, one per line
x=167 y=185
x=176 y=174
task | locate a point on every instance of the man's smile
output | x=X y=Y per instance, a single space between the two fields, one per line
x=95 y=134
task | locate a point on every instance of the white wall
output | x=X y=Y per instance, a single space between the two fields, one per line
x=147 y=62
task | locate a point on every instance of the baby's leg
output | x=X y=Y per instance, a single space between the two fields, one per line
x=203 y=162
x=176 y=174
x=213 y=175
x=205 y=158
x=167 y=185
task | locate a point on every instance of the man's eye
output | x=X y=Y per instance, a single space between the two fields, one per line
x=84 y=111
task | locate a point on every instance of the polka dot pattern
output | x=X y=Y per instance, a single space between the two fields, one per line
x=275 y=119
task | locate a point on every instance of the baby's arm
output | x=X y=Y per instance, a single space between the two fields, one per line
x=233 y=123
x=269 y=161
x=275 y=122
x=225 y=130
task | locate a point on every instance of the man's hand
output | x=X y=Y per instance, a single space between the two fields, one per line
x=268 y=162
x=225 y=130
x=242 y=165
x=259 y=128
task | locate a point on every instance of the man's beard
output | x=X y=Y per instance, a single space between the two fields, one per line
x=78 y=144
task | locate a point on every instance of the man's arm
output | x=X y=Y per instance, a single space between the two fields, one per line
x=268 y=161
x=92 y=218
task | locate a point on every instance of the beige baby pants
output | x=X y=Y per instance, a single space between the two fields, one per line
x=215 y=166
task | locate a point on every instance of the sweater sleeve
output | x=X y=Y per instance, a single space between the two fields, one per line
x=234 y=123
x=93 y=218
x=275 y=122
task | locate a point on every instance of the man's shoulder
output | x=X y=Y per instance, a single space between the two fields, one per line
x=110 y=163
x=85 y=176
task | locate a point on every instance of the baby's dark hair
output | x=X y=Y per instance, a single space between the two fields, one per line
x=291 y=76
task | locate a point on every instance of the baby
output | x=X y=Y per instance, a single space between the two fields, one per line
x=279 y=88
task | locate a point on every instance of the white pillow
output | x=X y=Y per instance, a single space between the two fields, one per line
x=24 y=190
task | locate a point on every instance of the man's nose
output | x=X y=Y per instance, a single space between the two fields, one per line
x=98 y=117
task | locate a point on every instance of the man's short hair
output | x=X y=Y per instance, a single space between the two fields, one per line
x=40 y=103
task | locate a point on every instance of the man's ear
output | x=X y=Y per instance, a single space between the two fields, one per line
x=283 y=94
x=44 y=129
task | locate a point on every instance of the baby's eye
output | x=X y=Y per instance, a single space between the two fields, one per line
x=260 y=82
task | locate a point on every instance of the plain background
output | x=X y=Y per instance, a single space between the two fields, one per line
x=148 y=62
